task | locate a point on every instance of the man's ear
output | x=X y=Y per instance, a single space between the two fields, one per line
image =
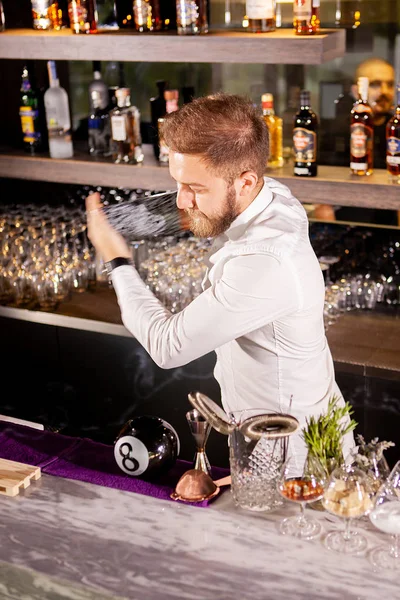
x=248 y=181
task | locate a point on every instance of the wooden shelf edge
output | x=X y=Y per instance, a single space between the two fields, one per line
x=279 y=47
x=334 y=185
x=82 y=170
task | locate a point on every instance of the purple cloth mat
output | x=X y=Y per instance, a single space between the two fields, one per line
x=85 y=460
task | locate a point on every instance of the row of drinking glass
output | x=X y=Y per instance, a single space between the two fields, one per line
x=346 y=494
x=360 y=291
x=172 y=268
x=44 y=255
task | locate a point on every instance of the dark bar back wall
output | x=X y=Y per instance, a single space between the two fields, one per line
x=89 y=384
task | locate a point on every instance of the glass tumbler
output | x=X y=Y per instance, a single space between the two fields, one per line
x=191 y=17
x=255 y=467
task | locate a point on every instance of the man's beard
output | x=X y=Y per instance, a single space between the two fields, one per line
x=202 y=226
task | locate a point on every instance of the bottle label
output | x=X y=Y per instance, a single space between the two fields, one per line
x=360 y=137
x=305 y=145
x=260 y=9
x=302 y=9
x=393 y=151
x=28 y=115
x=118 y=128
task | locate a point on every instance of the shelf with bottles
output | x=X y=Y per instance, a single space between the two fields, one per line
x=277 y=47
x=333 y=185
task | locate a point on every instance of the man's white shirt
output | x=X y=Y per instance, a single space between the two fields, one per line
x=261 y=310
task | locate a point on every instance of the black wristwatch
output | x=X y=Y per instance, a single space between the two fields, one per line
x=116 y=262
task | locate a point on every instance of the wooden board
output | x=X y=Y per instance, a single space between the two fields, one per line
x=277 y=47
x=14 y=476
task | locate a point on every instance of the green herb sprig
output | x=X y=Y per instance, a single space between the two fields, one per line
x=324 y=434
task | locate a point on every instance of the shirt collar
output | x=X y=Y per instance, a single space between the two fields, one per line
x=260 y=202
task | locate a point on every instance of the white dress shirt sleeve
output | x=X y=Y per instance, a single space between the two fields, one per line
x=253 y=290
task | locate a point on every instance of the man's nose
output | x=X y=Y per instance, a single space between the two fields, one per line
x=184 y=198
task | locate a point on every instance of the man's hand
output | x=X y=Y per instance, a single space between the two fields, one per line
x=109 y=244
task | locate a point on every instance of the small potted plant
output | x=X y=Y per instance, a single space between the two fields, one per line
x=324 y=435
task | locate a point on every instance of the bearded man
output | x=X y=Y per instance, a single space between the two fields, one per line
x=261 y=309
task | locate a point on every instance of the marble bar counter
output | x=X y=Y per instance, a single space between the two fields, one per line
x=63 y=539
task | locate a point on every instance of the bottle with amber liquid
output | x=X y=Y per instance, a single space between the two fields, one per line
x=274 y=125
x=171 y=105
x=125 y=130
x=393 y=143
x=305 y=142
x=147 y=15
x=306 y=20
x=83 y=16
x=46 y=15
x=261 y=15
x=348 y=13
x=362 y=132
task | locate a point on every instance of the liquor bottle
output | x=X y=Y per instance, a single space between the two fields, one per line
x=362 y=132
x=158 y=109
x=348 y=14
x=2 y=18
x=305 y=138
x=29 y=113
x=274 y=124
x=147 y=15
x=98 y=85
x=261 y=15
x=125 y=130
x=168 y=14
x=57 y=116
x=99 y=127
x=288 y=115
x=83 y=16
x=306 y=19
x=191 y=17
x=187 y=94
x=171 y=103
x=393 y=143
x=46 y=14
x=124 y=9
x=114 y=78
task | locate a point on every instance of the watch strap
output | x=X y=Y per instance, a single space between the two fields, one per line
x=116 y=262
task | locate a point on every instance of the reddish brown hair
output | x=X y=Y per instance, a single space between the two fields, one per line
x=226 y=130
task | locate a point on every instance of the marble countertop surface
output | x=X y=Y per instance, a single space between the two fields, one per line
x=62 y=539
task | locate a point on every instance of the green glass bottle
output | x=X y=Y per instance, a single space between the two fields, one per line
x=29 y=113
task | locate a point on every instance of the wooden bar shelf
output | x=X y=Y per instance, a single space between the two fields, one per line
x=363 y=342
x=278 y=47
x=334 y=185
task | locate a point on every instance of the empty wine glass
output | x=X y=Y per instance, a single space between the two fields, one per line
x=385 y=516
x=347 y=496
x=303 y=486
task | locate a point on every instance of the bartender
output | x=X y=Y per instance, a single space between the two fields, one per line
x=261 y=309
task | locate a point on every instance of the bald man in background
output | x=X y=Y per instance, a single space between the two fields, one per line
x=381 y=77
x=381 y=97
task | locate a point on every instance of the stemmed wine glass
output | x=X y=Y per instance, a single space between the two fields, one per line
x=385 y=516
x=303 y=486
x=347 y=495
